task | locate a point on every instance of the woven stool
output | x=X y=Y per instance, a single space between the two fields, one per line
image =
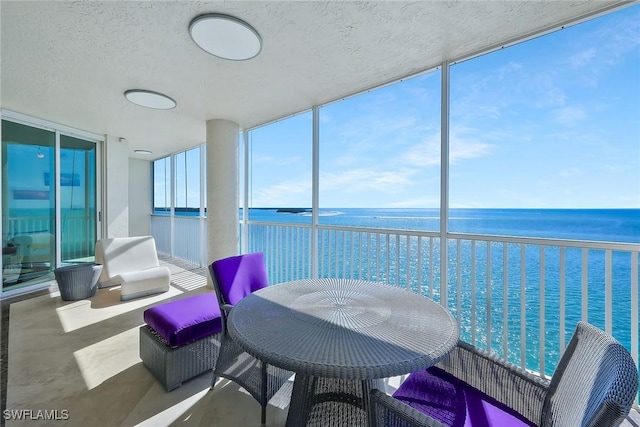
x=78 y=281
x=181 y=339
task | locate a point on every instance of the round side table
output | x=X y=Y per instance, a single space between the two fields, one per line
x=78 y=281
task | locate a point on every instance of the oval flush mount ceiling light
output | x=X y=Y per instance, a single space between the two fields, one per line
x=150 y=99
x=225 y=36
x=145 y=152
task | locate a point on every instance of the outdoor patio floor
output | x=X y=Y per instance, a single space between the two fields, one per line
x=82 y=357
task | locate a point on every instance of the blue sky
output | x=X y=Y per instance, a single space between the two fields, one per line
x=550 y=123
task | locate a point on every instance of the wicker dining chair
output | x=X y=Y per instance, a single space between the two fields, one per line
x=233 y=279
x=593 y=385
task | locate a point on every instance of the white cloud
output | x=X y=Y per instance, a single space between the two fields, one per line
x=569 y=115
x=427 y=152
x=582 y=58
x=367 y=179
x=285 y=193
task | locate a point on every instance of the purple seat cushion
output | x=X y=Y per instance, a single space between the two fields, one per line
x=238 y=276
x=186 y=320
x=455 y=403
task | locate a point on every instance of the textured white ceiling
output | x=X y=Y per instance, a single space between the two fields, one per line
x=70 y=62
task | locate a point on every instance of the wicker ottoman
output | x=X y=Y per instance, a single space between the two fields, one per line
x=181 y=339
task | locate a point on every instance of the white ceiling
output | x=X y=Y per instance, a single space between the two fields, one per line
x=70 y=62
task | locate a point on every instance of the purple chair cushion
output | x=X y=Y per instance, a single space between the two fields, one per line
x=186 y=320
x=238 y=276
x=455 y=403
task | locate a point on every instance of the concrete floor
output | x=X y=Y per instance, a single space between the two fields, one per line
x=79 y=360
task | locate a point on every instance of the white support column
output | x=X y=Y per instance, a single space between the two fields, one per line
x=222 y=189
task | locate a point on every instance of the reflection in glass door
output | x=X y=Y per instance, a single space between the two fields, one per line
x=77 y=199
x=39 y=195
x=28 y=205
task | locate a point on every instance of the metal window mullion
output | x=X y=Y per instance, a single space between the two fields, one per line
x=57 y=170
x=444 y=179
x=172 y=203
x=315 y=187
x=186 y=177
x=245 y=203
x=203 y=219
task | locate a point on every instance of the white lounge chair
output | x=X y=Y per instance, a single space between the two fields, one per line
x=132 y=262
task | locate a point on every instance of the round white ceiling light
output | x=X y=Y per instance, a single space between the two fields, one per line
x=225 y=36
x=145 y=152
x=150 y=99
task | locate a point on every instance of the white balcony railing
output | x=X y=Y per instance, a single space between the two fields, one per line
x=78 y=232
x=519 y=297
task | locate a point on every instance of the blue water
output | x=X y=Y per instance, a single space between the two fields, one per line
x=610 y=225
x=598 y=225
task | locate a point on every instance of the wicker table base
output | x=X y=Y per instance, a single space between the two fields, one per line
x=317 y=401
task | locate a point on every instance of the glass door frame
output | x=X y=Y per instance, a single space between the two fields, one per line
x=59 y=130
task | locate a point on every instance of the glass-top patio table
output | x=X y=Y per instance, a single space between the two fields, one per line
x=341 y=337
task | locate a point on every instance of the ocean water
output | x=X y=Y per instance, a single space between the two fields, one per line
x=527 y=267
x=610 y=225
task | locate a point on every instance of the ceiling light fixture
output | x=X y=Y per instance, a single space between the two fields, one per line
x=150 y=99
x=145 y=152
x=225 y=36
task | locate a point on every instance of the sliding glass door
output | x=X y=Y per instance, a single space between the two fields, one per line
x=49 y=202
x=28 y=204
x=77 y=199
